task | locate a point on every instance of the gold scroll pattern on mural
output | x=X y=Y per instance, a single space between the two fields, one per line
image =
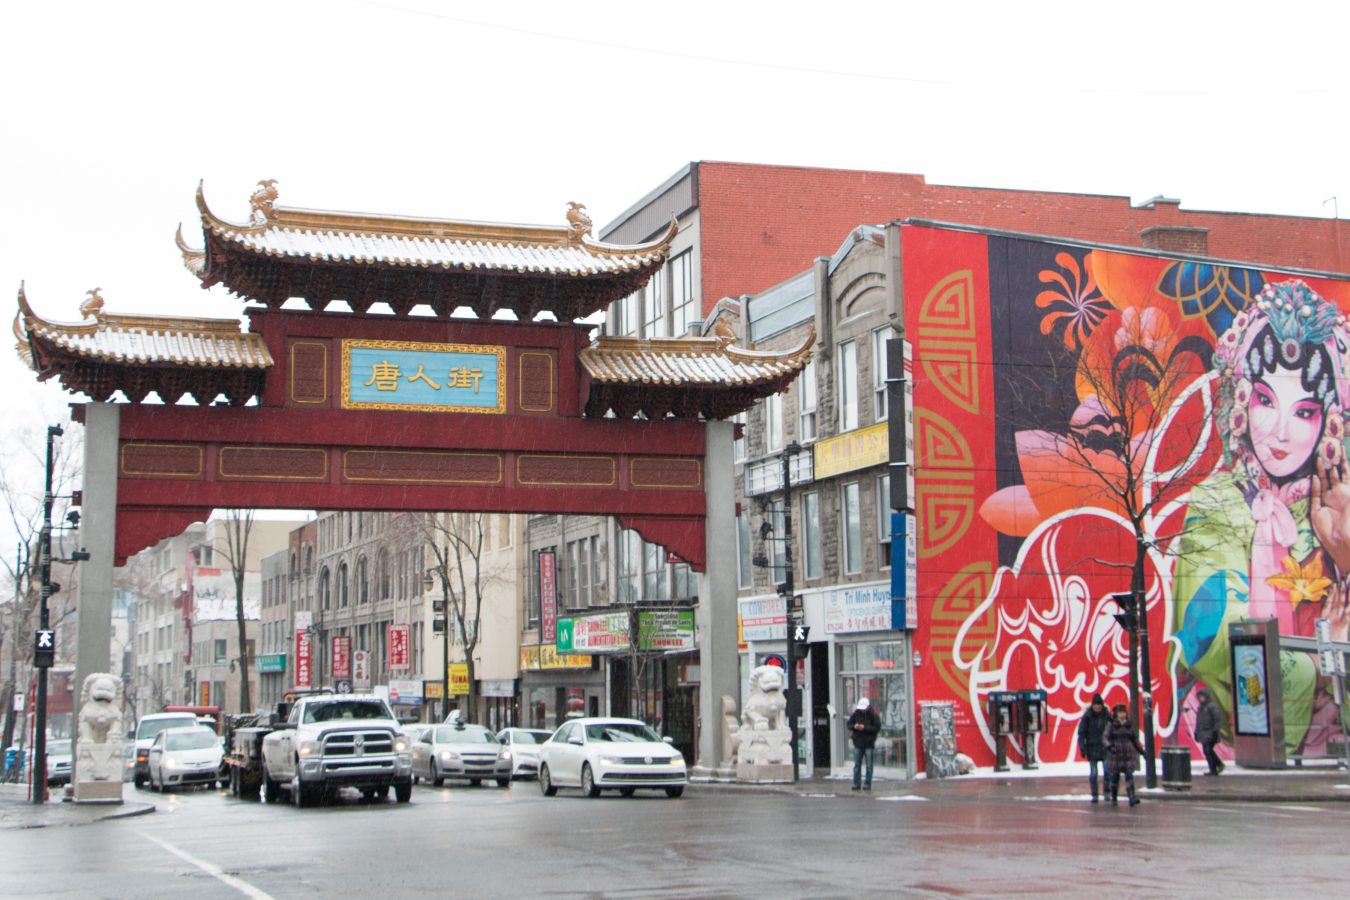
x=945 y=483
x=947 y=346
x=955 y=603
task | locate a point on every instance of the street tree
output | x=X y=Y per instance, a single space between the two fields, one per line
x=238 y=525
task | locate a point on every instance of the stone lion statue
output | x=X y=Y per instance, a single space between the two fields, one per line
x=764 y=732
x=730 y=731
x=99 y=743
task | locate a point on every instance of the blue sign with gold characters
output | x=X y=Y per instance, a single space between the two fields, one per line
x=405 y=375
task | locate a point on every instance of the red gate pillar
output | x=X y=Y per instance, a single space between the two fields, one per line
x=719 y=663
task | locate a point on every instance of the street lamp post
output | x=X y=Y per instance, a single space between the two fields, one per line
x=794 y=704
x=39 y=768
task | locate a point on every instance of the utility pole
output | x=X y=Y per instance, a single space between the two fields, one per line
x=40 y=660
x=794 y=700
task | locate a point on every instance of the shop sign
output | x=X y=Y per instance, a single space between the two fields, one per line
x=866 y=607
x=853 y=450
x=398 y=648
x=764 y=619
x=431 y=690
x=904 y=578
x=497 y=687
x=361 y=670
x=303 y=659
x=546 y=656
x=666 y=629
x=405 y=693
x=342 y=657
x=206 y=693
x=459 y=679
x=548 y=597
x=594 y=634
x=272 y=662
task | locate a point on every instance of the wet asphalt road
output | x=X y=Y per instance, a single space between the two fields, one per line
x=489 y=842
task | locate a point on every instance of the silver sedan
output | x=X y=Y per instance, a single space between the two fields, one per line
x=524 y=746
x=460 y=751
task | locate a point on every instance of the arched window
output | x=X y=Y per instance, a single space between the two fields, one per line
x=295 y=567
x=386 y=589
x=325 y=589
x=309 y=559
x=343 y=583
x=362 y=582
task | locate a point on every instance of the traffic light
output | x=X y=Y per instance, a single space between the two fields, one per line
x=44 y=648
x=1128 y=617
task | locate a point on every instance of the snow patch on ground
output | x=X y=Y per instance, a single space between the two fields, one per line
x=1061 y=798
x=904 y=798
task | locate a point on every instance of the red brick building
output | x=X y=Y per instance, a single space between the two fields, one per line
x=750 y=226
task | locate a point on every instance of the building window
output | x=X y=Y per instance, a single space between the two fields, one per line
x=743 y=550
x=653 y=572
x=852 y=530
x=806 y=403
x=682 y=290
x=344 y=596
x=848 y=386
x=773 y=423
x=579 y=574
x=811 y=534
x=362 y=583
x=879 y=339
x=654 y=309
x=325 y=589
x=738 y=443
x=884 y=519
x=220 y=651
x=628 y=557
x=778 y=547
x=682 y=581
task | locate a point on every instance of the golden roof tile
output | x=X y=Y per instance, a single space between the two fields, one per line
x=689 y=361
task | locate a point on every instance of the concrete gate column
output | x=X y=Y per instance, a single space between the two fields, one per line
x=98 y=532
x=719 y=661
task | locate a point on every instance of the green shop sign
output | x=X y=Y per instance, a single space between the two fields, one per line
x=666 y=629
x=272 y=662
x=593 y=634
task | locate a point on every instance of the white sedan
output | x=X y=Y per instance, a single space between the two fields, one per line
x=181 y=756
x=610 y=754
x=524 y=745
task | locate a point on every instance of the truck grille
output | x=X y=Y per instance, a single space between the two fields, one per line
x=358 y=743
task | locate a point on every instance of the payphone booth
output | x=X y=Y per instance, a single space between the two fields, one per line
x=1002 y=723
x=1030 y=722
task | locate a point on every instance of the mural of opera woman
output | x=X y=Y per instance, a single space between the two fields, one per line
x=1268 y=533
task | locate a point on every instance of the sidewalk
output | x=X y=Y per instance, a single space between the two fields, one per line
x=1069 y=783
x=16 y=811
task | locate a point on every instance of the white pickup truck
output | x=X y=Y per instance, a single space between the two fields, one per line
x=330 y=741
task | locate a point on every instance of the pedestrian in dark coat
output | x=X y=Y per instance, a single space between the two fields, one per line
x=863 y=726
x=1122 y=753
x=1092 y=741
x=1207 y=720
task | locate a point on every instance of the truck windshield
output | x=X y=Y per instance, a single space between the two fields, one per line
x=346 y=709
x=148 y=728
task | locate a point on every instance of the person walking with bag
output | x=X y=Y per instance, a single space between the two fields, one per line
x=863 y=726
x=1207 y=719
x=1122 y=753
x=1092 y=740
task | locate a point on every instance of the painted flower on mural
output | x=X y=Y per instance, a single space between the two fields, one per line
x=1213 y=294
x=1073 y=301
x=1303 y=582
x=1054 y=628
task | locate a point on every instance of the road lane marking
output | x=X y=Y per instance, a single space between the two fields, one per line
x=214 y=871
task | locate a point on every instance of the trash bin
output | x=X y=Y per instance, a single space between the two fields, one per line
x=1176 y=768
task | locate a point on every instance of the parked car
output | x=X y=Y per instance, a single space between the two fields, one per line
x=184 y=756
x=58 y=762
x=128 y=760
x=598 y=754
x=460 y=750
x=524 y=744
x=146 y=729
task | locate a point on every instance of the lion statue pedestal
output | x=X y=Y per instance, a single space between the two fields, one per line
x=764 y=752
x=98 y=742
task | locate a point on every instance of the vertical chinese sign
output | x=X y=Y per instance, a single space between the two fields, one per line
x=361 y=670
x=397 y=642
x=548 y=597
x=342 y=657
x=303 y=660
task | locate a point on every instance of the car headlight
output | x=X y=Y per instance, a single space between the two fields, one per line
x=310 y=748
x=142 y=756
x=612 y=760
x=400 y=744
x=505 y=754
x=675 y=760
x=449 y=756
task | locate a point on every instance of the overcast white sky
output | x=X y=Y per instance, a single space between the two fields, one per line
x=111 y=113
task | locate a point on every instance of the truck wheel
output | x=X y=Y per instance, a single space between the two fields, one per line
x=402 y=791
x=306 y=795
x=138 y=780
x=546 y=782
x=504 y=782
x=271 y=789
x=588 y=785
x=673 y=792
